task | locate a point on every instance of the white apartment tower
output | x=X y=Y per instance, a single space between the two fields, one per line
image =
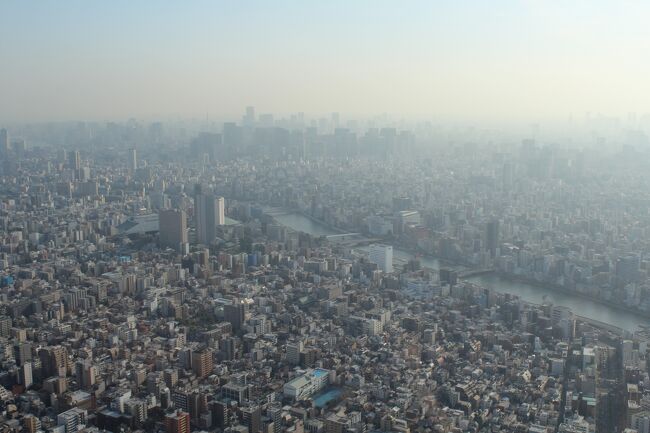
x=382 y=255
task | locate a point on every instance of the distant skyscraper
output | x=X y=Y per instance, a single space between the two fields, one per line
x=133 y=159
x=4 y=142
x=627 y=268
x=26 y=378
x=221 y=211
x=382 y=256
x=172 y=225
x=74 y=160
x=492 y=237
x=235 y=314
x=249 y=117
x=209 y=212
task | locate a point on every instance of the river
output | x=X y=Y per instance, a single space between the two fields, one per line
x=527 y=292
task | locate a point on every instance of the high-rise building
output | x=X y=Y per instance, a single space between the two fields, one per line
x=53 y=361
x=202 y=363
x=133 y=160
x=249 y=117
x=492 y=237
x=26 y=378
x=235 y=314
x=294 y=349
x=172 y=226
x=382 y=256
x=221 y=211
x=252 y=417
x=74 y=160
x=209 y=212
x=274 y=411
x=85 y=374
x=22 y=353
x=5 y=326
x=4 y=142
x=627 y=268
x=177 y=422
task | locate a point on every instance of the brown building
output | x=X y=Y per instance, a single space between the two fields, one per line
x=172 y=226
x=202 y=363
x=177 y=422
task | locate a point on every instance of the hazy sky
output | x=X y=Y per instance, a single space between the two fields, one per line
x=67 y=59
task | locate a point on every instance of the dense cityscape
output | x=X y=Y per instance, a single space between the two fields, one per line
x=321 y=275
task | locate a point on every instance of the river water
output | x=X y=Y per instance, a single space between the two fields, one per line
x=527 y=292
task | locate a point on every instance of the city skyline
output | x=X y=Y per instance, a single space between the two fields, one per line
x=506 y=61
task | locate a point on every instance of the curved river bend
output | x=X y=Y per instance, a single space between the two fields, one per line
x=527 y=292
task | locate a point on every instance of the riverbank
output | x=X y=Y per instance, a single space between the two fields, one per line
x=560 y=289
x=596 y=311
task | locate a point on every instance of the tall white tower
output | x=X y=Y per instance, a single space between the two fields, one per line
x=382 y=256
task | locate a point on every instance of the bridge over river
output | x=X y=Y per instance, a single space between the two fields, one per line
x=537 y=294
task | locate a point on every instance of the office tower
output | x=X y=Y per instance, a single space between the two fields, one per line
x=235 y=314
x=492 y=237
x=4 y=142
x=177 y=422
x=85 y=374
x=197 y=403
x=382 y=256
x=170 y=376
x=221 y=211
x=209 y=211
x=402 y=204
x=26 y=378
x=220 y=413
x=74 y=160
x=202 y=363
x=627 y=269
x=22 y=353
x=249 y=117
x=172 y=225
x=232 y=137
x=133 y=159
x=53 y=361
x=294 y=349
x=252 y=417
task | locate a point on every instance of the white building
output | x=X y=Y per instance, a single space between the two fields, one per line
x=221 y=211
x=72 y=420
x=307 y=384
x=382 y=256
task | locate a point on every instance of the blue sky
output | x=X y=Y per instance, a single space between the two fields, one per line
x=451 y=59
